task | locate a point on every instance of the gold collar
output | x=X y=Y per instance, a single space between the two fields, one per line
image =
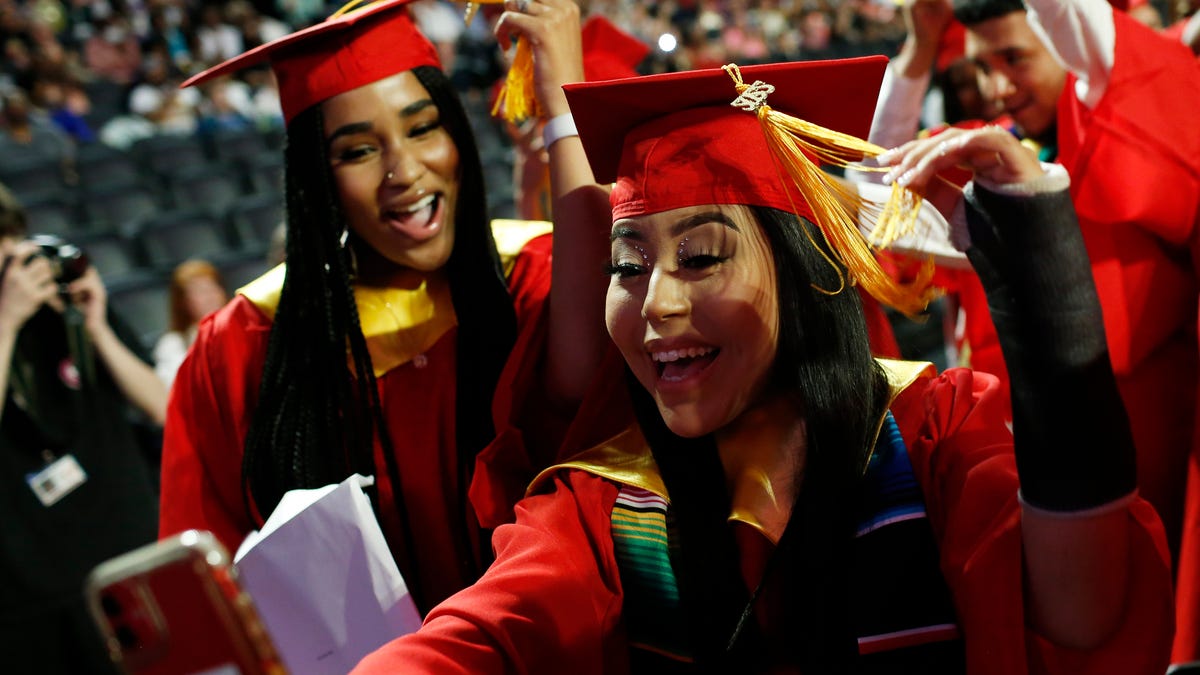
x=399 y=322
x=762 y=489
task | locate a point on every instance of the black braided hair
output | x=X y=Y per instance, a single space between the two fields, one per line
x=823 y=356
x=317 y=415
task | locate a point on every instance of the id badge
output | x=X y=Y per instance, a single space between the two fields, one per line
x=57 y=480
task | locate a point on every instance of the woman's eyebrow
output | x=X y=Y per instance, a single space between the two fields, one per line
x=416 y=107
x=625 y=232
x=348 y=130
x=689 y=223
x=360 y=127
x=696 y=220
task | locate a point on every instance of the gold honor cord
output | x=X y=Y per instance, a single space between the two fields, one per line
x=837 y=207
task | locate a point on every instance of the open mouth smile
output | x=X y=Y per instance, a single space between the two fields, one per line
x=420 y=220
x=681 y=365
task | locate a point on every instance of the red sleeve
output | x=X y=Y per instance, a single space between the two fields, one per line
x=550 y=603
x=531 y=433
x=962 y=457
x=207 y=419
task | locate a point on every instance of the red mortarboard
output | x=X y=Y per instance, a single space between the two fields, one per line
x=337 y=55
x=674 y=140
x=951 y=46
x=610 y=53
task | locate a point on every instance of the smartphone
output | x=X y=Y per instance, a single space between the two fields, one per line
x=175 y=608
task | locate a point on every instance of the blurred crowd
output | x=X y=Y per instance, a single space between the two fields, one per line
x=108 y=70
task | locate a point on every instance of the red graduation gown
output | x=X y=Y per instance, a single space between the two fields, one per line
x=215 y=394
x=552 y=601
x=1134 y=163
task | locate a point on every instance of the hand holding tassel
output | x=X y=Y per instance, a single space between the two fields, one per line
x=549 y=54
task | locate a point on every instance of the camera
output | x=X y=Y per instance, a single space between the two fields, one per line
x=68 y=261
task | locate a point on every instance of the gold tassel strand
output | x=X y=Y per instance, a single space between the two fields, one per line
x=788 y=138
x=517 y=101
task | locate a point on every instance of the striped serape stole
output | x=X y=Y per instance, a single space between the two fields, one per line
x=653 y=618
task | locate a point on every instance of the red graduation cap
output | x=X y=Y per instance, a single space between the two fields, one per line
x=342 y=53
x=674 y=140
x=609 y=53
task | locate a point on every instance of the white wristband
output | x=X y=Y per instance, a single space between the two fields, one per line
x=557 y=128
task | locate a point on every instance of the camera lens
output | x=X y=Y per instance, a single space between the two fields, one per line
x=68 y=261
x=127 y=638
x=110 y=605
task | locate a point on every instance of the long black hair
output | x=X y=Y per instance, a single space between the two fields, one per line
x=824 y=359
x=317 y=415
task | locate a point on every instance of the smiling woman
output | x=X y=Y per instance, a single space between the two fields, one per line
x=714 y=265
x=396 y=174
x=784 y=501
x=378 y=346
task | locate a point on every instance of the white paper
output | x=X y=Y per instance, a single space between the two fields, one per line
x=324 y=581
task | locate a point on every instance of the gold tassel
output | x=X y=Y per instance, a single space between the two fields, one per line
x=517 y=101
x=837 y=207
x=351 y=6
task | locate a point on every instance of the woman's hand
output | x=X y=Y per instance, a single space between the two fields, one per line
x=553 y=31
x=991 y=153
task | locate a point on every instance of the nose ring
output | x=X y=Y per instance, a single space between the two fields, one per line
x=391 y=175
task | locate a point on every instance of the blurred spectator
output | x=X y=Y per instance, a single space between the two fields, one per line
x=170 y=25
x=17 y=65
x=263 y=107
x=817 y=39
x=300 y=13
x=159 y=99
x=227 y=107
x=76 y=490
x=196 y=291
x=66 y=105
x=962 y=97
x=112 y=51
x=743 y=36
x=442 y=23
x=255 y=28
x=27 y=135
x=216 y=40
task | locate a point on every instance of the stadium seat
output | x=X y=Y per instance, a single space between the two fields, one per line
x=121 y=207
x=173 y=237
x=32 y=176
x=114 y=255
x=101 y=165
x=167 y=155
x=255 y=217
x=143 y=304
x=211 y=187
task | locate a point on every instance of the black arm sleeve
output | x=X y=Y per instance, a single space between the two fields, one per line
x=1070 y=432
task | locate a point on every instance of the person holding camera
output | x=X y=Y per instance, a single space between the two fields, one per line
x=75 y=489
